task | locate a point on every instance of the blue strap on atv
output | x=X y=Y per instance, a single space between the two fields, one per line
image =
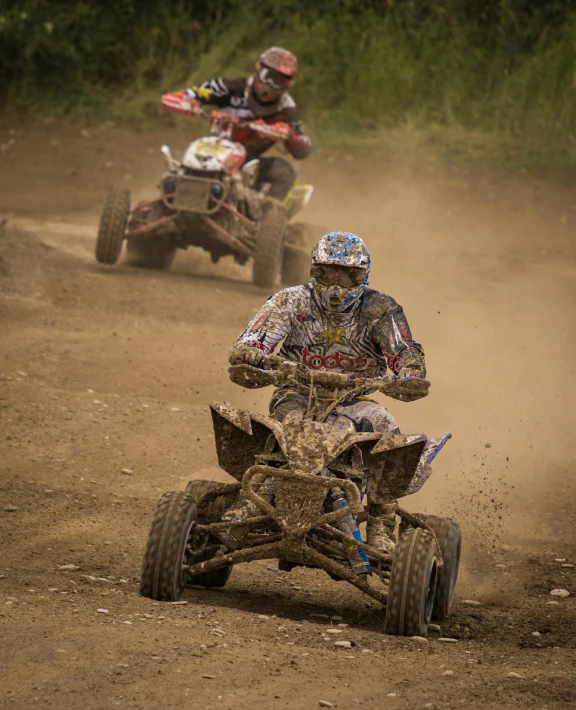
x=357 y=557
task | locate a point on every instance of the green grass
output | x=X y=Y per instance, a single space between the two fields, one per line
x=441 y=78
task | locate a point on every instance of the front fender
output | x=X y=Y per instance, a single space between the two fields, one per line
x=240 y=436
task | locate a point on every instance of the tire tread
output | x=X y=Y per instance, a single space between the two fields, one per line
x=161 y=577
x=112 y=225
x=409 y=579
x=269 y=247
x=449 y=538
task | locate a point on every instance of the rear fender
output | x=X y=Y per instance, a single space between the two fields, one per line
x=297 y=199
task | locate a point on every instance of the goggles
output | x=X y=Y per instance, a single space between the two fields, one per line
x=274 y=78
x=345 y=276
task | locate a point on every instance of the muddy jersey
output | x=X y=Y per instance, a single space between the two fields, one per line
x=234 y=96
x=372 y=336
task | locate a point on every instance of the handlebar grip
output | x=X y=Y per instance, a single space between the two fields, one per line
x=272 y=362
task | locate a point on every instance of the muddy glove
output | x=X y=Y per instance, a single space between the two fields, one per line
x=412 y=393
x=278 y=131
x=253 y=357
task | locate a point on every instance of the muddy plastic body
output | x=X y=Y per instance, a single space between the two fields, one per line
x=289 y=470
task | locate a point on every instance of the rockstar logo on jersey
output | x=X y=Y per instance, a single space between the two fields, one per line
x=332 y=336
x=203 y=92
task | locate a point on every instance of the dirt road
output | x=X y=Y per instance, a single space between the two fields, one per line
x=104 y=369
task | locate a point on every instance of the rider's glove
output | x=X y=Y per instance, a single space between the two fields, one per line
x=182 y=102
x=253 y=357
x=278 y=131
x=411 y=395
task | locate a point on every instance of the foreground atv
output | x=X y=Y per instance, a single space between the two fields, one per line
x=210 y=200
x=305 y=479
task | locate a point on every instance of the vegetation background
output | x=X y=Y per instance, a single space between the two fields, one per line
x=488 y=79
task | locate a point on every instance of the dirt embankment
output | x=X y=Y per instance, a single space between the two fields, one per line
x=109 y=369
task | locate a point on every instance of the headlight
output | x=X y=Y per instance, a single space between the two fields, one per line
x=217 y=190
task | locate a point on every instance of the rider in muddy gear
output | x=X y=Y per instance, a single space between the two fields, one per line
x=335 y=323
x=264 y=101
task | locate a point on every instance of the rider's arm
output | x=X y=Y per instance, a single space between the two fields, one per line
x=299 y=144
x=214 y=92
x=392 y=335
x=265 y=332
x=217 y=92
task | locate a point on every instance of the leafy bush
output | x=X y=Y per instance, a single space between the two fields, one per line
x=500 y=67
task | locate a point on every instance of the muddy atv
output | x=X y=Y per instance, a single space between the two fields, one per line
x=304 y=479
x=211 y=199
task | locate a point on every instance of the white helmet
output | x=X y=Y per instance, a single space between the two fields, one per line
x=339 y=270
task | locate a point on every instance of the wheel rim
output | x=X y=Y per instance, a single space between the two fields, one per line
x=183 y=577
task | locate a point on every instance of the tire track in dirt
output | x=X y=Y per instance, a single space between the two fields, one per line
x=93 y=363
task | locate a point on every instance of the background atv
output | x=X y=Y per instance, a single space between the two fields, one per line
x=304 y=479
x=210 y=200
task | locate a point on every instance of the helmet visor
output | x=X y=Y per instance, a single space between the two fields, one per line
x=274 y=78
x=345 y=276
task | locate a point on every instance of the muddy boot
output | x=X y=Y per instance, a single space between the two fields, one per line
x=381 y=526
x=240 y=511
x=356 y=557
x=291 y=404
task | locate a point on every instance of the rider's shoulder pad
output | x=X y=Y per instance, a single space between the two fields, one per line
x=377 y=303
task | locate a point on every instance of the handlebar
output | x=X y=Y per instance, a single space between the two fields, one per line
x=221 y=123
x=280 y=372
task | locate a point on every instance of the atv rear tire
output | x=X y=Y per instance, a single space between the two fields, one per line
x=198 y=486
x=450 y=541
x=296 y=259
x=152 y=253
x=412 y=584
x=269 y=246
x=218 y=577
x=112 y=225
x=214 y=578
x=212 y=511
x=162 y=576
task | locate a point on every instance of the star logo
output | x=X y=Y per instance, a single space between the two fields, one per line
x=332 y=336
x=203 y=92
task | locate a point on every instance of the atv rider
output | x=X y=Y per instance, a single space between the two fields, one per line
x=336 y=323
x=263 y=100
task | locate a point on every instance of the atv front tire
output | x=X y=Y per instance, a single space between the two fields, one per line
x=112 y=225
x=450 y=541
x=412 y=584
x=162 y=575
x=152 y=253
x=269 y=246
